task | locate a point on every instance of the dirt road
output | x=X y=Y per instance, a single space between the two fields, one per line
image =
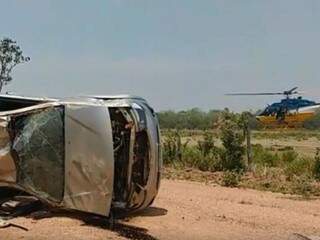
x=189 y=210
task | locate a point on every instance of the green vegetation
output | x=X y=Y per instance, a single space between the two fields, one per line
x=205 y=155
x=231 y=179
x=191 y=119
x=316 y=169
x=313 y=123
x=232 y=141
x=264 y=157
x=282 y=134
x=10 y=57
x=196 y=119
x=220 y=156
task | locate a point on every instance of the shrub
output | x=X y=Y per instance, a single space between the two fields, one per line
x=209 y=159
x=206 y=146
x=210 y=162
x=316 y=168
x=191 y=156
x=302 y=185
x=299 y=167
x=173 y=147
x=289 y=156
x=230 y=179
x=233 y=150
x=263 y=157
x=204 y=157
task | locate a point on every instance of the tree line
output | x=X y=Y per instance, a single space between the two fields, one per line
x=197 y=119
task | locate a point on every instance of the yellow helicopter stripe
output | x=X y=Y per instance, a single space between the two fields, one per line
x=289 y=118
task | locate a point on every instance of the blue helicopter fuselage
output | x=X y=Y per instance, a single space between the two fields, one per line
x=287 y=104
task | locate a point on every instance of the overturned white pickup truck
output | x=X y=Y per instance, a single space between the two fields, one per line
x=91 y=154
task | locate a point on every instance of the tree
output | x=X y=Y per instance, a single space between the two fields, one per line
x=232 y=139
x=10 y=57
x=190 y=119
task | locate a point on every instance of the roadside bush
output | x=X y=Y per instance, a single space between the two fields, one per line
x=191 y=156
x=302 y=185
x=269 y=178
x=316 y=168
x=233 y=150
x=173 y=147
x=206 y=146
x=263 y=157
x=231 y=179
x=300 y=166
x=209 y=163
x=204 y=156
x=209 y=160
x=289 y=156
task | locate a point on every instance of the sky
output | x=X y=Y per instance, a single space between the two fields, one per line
x=178 y=54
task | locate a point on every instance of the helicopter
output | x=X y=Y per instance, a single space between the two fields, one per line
x=290 y=111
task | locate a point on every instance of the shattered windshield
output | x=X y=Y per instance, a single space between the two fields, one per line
x=38 y=147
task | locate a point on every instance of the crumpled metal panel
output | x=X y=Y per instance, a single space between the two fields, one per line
x=155 y=159
x=7 y=167
x=89 y=164
x=141 y=199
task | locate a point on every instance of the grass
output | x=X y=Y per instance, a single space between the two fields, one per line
x=274 y=169
x=275 y=180
x=281 y=134
x=284 y=134
x=230 y=179
x=270 y=180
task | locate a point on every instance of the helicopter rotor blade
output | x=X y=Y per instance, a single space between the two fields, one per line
x=287 y=93
x=291 y=91
x=252 y=94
